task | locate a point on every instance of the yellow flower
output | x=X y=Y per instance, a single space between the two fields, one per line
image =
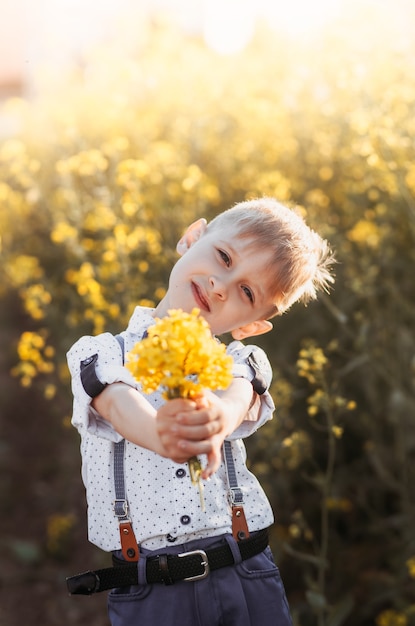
x=391 y=618
x=411 y=566
x=59 y=529
x=182 y=358
x=337 y=431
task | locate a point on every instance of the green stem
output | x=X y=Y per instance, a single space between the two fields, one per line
x=326 y=491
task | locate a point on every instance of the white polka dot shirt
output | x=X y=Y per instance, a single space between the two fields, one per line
x=163 y=504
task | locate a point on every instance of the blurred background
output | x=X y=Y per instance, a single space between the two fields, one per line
x=120 y=123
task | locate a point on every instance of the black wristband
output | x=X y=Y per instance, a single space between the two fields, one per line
x=259 y=381
x=90 y=381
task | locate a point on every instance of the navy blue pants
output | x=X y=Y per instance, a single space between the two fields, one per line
x=249 y=593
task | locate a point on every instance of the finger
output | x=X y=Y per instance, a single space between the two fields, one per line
x=195 y=432
x=214 y=459
x=173 y=407
x=196 y=417
x=194 y=448
x=202 y=402
x=181 y=453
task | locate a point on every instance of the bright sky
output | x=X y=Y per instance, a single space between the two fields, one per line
x=54 y=31
x=229 y=25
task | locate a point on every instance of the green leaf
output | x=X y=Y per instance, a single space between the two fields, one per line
x=26 y=551
x=316 y=600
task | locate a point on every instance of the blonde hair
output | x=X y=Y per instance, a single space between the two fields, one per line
x=301 y=261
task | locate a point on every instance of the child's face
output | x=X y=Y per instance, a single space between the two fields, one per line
x=225 y=278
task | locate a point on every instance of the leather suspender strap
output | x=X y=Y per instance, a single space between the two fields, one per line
x=239 y=524
x=129 y=545
x=93 y=387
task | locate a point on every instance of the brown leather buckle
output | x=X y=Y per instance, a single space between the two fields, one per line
x=239 y=524
x=129 y=546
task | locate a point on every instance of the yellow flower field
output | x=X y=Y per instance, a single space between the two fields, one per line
x=108 y=167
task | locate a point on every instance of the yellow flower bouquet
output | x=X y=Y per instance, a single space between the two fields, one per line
x=181 y=357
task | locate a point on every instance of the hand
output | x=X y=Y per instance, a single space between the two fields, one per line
x=191 y=427
x=219 y=416
x=188 y=428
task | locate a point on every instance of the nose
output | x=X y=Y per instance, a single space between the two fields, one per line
x=218 y=287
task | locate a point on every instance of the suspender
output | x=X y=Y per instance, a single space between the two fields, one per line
x=129 y=546
x=236 y=497
x=129 y=543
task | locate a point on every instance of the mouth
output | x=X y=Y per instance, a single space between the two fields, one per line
x=200 y=298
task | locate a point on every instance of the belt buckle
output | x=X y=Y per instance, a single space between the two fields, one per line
x=204 y=562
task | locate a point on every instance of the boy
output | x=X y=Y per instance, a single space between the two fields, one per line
x=176 y=564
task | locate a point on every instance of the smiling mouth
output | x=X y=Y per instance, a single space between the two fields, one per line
x=201 y=301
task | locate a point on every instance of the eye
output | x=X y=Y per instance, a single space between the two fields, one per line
x=248 y=292
x=225 y=257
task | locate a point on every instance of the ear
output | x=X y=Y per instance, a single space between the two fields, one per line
x=260 y=327
x=192 y=234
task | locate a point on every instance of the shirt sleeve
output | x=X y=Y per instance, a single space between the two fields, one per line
x=104 y=357
x=251 y=362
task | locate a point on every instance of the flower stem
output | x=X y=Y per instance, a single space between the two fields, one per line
x=195 y=470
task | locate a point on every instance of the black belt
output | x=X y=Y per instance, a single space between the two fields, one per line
x=166 y=568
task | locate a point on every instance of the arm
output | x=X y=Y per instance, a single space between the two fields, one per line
x=133 y=417
x=119 y=410
x=130 y=414
x=107 y=404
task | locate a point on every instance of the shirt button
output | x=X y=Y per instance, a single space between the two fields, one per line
x=185 y=519
x=180 y=473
